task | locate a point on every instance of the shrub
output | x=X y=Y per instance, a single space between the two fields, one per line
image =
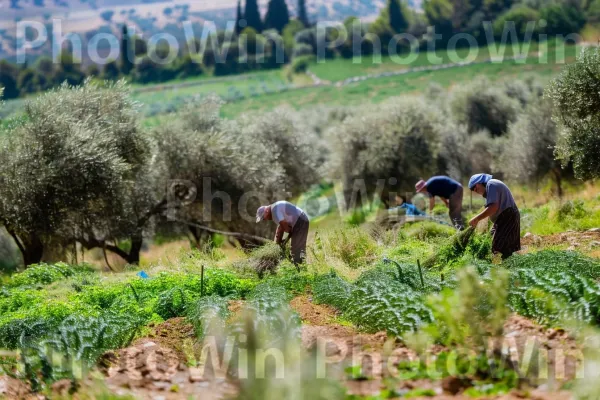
x=481 y=105
x=454 y=158
x=571 y=209
x=483 y=151
x=529 y=152
x=303 y=51
x=562 y=18
x=520 y=15
x=301 y=63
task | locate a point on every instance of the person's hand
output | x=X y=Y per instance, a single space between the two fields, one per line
x=473 y=222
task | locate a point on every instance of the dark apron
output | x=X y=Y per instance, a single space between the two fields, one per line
x=506 y=233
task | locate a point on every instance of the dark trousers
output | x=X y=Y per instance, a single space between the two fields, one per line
x=298 y=236
x=506 y=233
x=455 y=208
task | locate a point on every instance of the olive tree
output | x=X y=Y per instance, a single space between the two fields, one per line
x=529 y=151
x=219 y=172
x=294 y=146
x=481 y=105
x=72 y=170
x=454 y=159
x=576 y=97
x=397 y=139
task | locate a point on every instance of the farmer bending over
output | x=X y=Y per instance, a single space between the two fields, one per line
x=291 y=219
x=502 y=210
x=447 y=189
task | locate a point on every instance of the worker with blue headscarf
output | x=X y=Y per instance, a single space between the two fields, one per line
x=501 y=209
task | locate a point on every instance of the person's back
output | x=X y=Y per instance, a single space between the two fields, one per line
x=498 y=193
x=286 y=211
x=442 y=186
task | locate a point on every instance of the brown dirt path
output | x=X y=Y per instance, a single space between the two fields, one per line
x=11 y=388
x=345 y=343
x=587 y=242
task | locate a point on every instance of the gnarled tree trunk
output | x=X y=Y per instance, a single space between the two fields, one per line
x=30 y=246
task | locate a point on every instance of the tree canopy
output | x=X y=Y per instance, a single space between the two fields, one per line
x=576 y=97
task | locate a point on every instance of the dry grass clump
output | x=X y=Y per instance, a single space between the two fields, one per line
x=346 y=250
x=263 y=260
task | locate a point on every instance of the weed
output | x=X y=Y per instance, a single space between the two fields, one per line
x=293 y=281
x=352 y=246
x=429 y=230
x=571 y=209
x=265 y=259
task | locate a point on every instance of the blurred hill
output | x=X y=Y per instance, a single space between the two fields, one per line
x=88 y=17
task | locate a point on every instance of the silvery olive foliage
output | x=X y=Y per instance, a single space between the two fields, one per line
x=576 y=97
x=75 y=166
x=396 y=139
x=529 y=150
x=481 y=105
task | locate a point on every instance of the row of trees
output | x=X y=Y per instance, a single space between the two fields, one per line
x=503 y=129
x=80 y=169
x=277 y=16
x=301 y=41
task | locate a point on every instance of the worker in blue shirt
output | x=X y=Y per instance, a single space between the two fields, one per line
x=447 y=189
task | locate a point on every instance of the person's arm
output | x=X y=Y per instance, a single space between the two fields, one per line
x=488 y=212
x=431 y=204
x=445 y=202
x=279 y=234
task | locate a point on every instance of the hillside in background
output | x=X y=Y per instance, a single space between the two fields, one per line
x=152 y=16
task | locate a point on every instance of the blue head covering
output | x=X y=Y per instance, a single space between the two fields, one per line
x=479 y=178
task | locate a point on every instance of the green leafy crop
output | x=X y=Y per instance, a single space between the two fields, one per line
x=551 y=286
x=333 y=290
x=44 y=274
x=387 y=305
x=206 y=312
x=171 y=303
x=556 y=261
x=269 y=311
